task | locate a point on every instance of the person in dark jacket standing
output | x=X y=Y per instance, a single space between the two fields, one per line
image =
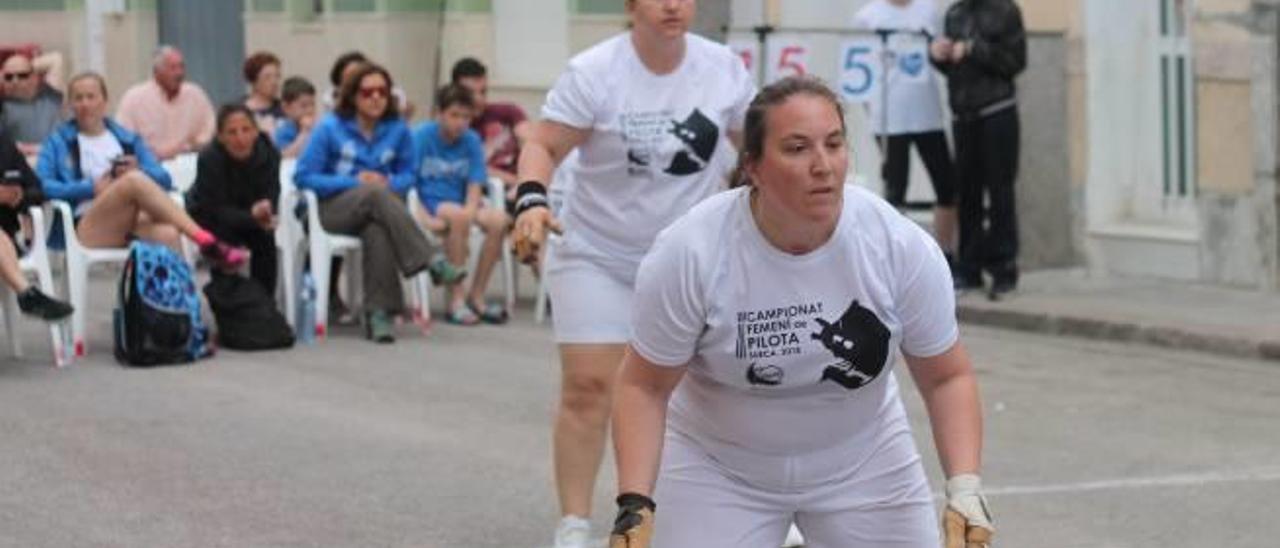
x=236 y=190
x=982 y=49
x=20 y=189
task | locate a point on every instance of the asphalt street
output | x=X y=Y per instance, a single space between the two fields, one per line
x=443 y=441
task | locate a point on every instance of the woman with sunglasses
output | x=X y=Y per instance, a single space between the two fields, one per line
x=651 y=112
x=359 y=160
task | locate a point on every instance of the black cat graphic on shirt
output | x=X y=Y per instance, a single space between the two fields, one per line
x=699 y=135
x=860 y=341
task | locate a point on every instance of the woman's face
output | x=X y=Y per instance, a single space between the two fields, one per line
x=268 y=82
x=665 y=18
x=87 y=101
x=238 y=135
x=371 y=96
x=802 y=166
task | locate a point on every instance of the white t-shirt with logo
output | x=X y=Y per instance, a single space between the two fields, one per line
x=97 y=152
x=915 y=105
x=790 y=354
x=658 y=143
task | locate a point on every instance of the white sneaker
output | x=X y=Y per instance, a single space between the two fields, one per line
x=793 y=538
x=573 y=532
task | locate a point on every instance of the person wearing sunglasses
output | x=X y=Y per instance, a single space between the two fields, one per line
x=359 y=160
x=31 y=109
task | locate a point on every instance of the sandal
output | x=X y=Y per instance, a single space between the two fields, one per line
x=461 y=316
x=493 y=313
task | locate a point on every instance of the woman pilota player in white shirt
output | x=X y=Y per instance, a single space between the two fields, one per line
x=758 y=389
x=651 y=112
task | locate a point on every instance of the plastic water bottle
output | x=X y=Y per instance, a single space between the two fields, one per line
x=306 y=328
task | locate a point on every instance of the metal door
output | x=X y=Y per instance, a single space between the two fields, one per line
x=211 y=37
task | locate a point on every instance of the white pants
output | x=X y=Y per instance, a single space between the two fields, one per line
x=716 y=496
x=591 y=303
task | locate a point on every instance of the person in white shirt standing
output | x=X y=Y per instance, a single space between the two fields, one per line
x=758 y=386
x=652 y=112
x=913 y=114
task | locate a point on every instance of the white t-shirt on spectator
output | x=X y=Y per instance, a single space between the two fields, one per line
x=915 y=105
x=96 y=153
x=765 y=372
x=657 y=146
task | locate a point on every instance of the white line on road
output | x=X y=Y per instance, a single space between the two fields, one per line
x=1177 y=480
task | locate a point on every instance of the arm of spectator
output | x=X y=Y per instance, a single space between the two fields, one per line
x=54 y=187
x=149 y=164
x=404 y=173
x=1007 y=55
x=312 y=164
x=50 y=66
x=208 y=123
x=295 y=137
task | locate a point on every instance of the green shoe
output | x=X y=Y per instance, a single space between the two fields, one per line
x=444 y=273
x=379 y=328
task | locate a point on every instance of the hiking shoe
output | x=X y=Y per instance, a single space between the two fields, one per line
x=379 y=328
x=444 y=273
x=573 y=532
x=34 y=302
x=224 y=256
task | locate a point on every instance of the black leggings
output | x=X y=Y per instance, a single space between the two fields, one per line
x=987 y=158
x=932 y=146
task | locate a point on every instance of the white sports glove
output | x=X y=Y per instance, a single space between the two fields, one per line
x=966 y=522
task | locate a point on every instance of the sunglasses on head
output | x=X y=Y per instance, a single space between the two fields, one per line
x=369 y=93
x=12 y=76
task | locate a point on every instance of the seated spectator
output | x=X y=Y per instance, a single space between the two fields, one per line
x=343 y=67
x=300 y=116
x=502 y=126
x=262 y=73
x=359 y=158
x=20 y=189
x=451 y=185
x=31 y=108
x=171 y=115
x=114 y=183
x=237 y=188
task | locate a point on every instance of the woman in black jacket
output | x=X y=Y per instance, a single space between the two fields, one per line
x=236 y=190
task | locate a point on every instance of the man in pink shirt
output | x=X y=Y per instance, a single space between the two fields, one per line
x=171 y=115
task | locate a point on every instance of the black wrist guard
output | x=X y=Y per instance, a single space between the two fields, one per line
x=636 y=501
x=530 y=194
x=630 y=506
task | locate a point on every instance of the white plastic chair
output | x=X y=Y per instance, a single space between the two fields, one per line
x=322 y=247
x=79 y=259
x=182 y=171
x=36 y=262
x=497 y=200
x=289 y=239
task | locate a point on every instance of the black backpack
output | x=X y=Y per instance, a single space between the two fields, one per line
x=157 y=317
x=246 y=315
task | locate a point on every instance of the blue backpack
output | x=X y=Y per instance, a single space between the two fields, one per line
x=157 y=316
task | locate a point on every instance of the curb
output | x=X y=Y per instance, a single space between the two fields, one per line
x=1093 y=328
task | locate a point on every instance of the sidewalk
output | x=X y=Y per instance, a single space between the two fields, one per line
x=1170 y=314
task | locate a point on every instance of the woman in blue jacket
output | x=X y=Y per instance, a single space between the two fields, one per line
x=114 y=184
x=359 y=158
